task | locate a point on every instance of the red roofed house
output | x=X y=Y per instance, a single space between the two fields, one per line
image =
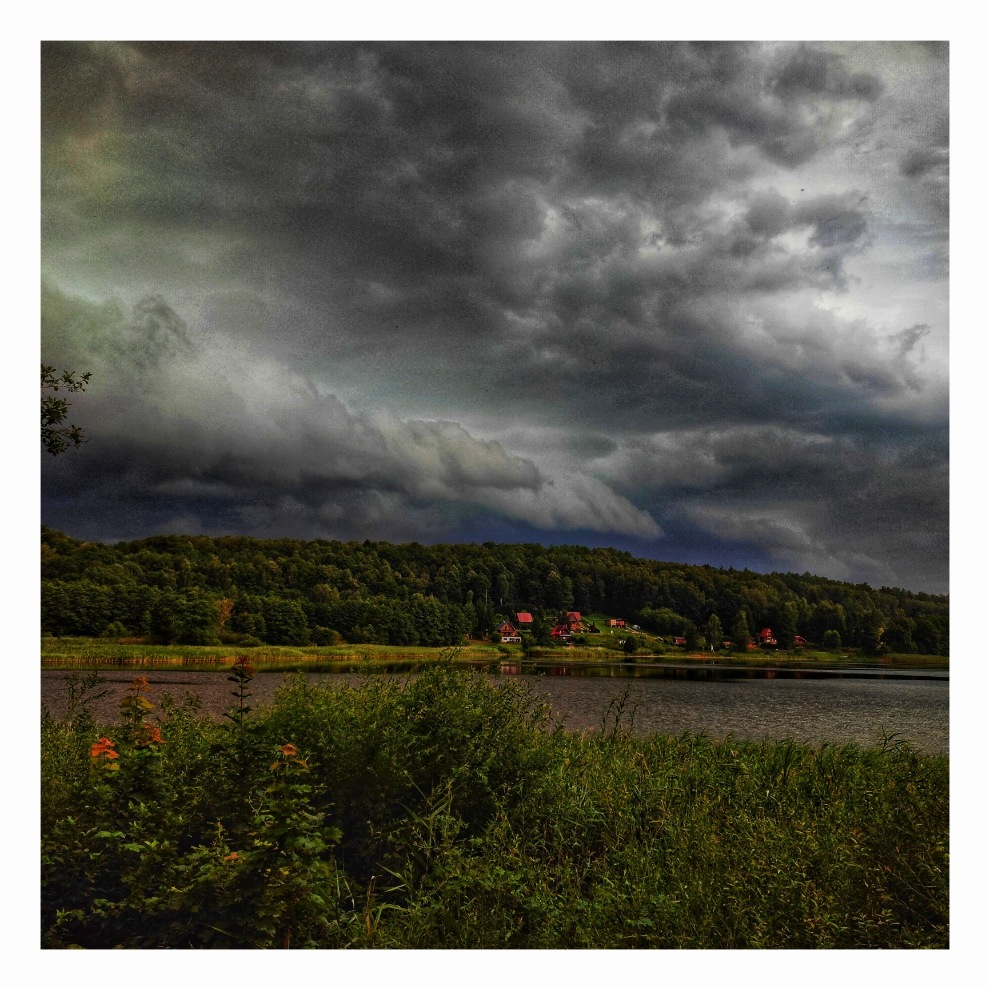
x=767 y=638
x=561 y=631
x=574 y=621
x=800 y=641
x=524 y=618
x=508 y=633
x=617 y=623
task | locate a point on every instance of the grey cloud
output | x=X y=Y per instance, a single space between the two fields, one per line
x=812 y=72
x=858 y=507
x=761 y=122
x=919 y=161
x=769 y=214
x=835 y=220
x=615 y=241
x=906 y=339
x=873 y=379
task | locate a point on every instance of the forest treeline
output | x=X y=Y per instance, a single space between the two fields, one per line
x=240 y=590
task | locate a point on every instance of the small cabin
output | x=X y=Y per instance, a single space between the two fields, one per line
x=507 y=631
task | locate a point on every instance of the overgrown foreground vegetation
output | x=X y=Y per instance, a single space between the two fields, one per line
x=450 y=811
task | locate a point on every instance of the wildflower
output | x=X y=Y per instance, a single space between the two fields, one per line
x=133 y=702
x=102 y=747
x=147 y=735
x=288 y=750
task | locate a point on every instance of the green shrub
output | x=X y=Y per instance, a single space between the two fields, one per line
x=450 y=810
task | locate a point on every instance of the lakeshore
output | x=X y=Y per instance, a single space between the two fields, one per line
x=79 y=652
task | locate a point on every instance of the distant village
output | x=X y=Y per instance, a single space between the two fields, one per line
x=571 y=624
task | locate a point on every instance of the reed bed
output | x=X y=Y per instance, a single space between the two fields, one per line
x=82 y=653
x=447 y=811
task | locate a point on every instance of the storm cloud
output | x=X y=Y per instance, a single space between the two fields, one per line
x=686 y=299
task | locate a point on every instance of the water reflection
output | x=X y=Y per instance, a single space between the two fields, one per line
x=705 y=671
x=806 y=709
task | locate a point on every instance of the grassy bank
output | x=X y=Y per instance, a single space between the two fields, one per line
x=450 y=812
x=70 y=652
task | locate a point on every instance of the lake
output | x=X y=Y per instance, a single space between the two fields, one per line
x=808 y=705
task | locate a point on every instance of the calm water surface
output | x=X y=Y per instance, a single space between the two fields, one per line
x=809 y=708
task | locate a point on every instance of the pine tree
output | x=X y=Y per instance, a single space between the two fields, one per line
x=714 y=634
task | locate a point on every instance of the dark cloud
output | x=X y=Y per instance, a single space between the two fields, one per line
x=912 y=335
x=418 y=290
x=810 y=71
x=234 y=434
x=919 y=161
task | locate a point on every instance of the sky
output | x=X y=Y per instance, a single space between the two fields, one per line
x=689 y=300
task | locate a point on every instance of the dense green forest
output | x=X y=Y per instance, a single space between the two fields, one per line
x=245 y=591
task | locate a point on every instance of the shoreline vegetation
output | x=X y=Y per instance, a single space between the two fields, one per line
x=75 y=652
x=453 y=811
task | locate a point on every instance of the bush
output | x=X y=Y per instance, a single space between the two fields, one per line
x=322 y=636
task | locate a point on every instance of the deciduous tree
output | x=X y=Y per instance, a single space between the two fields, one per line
x=54 y=409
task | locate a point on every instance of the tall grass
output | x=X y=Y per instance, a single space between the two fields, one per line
x=449 y=811
x=81 y=652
